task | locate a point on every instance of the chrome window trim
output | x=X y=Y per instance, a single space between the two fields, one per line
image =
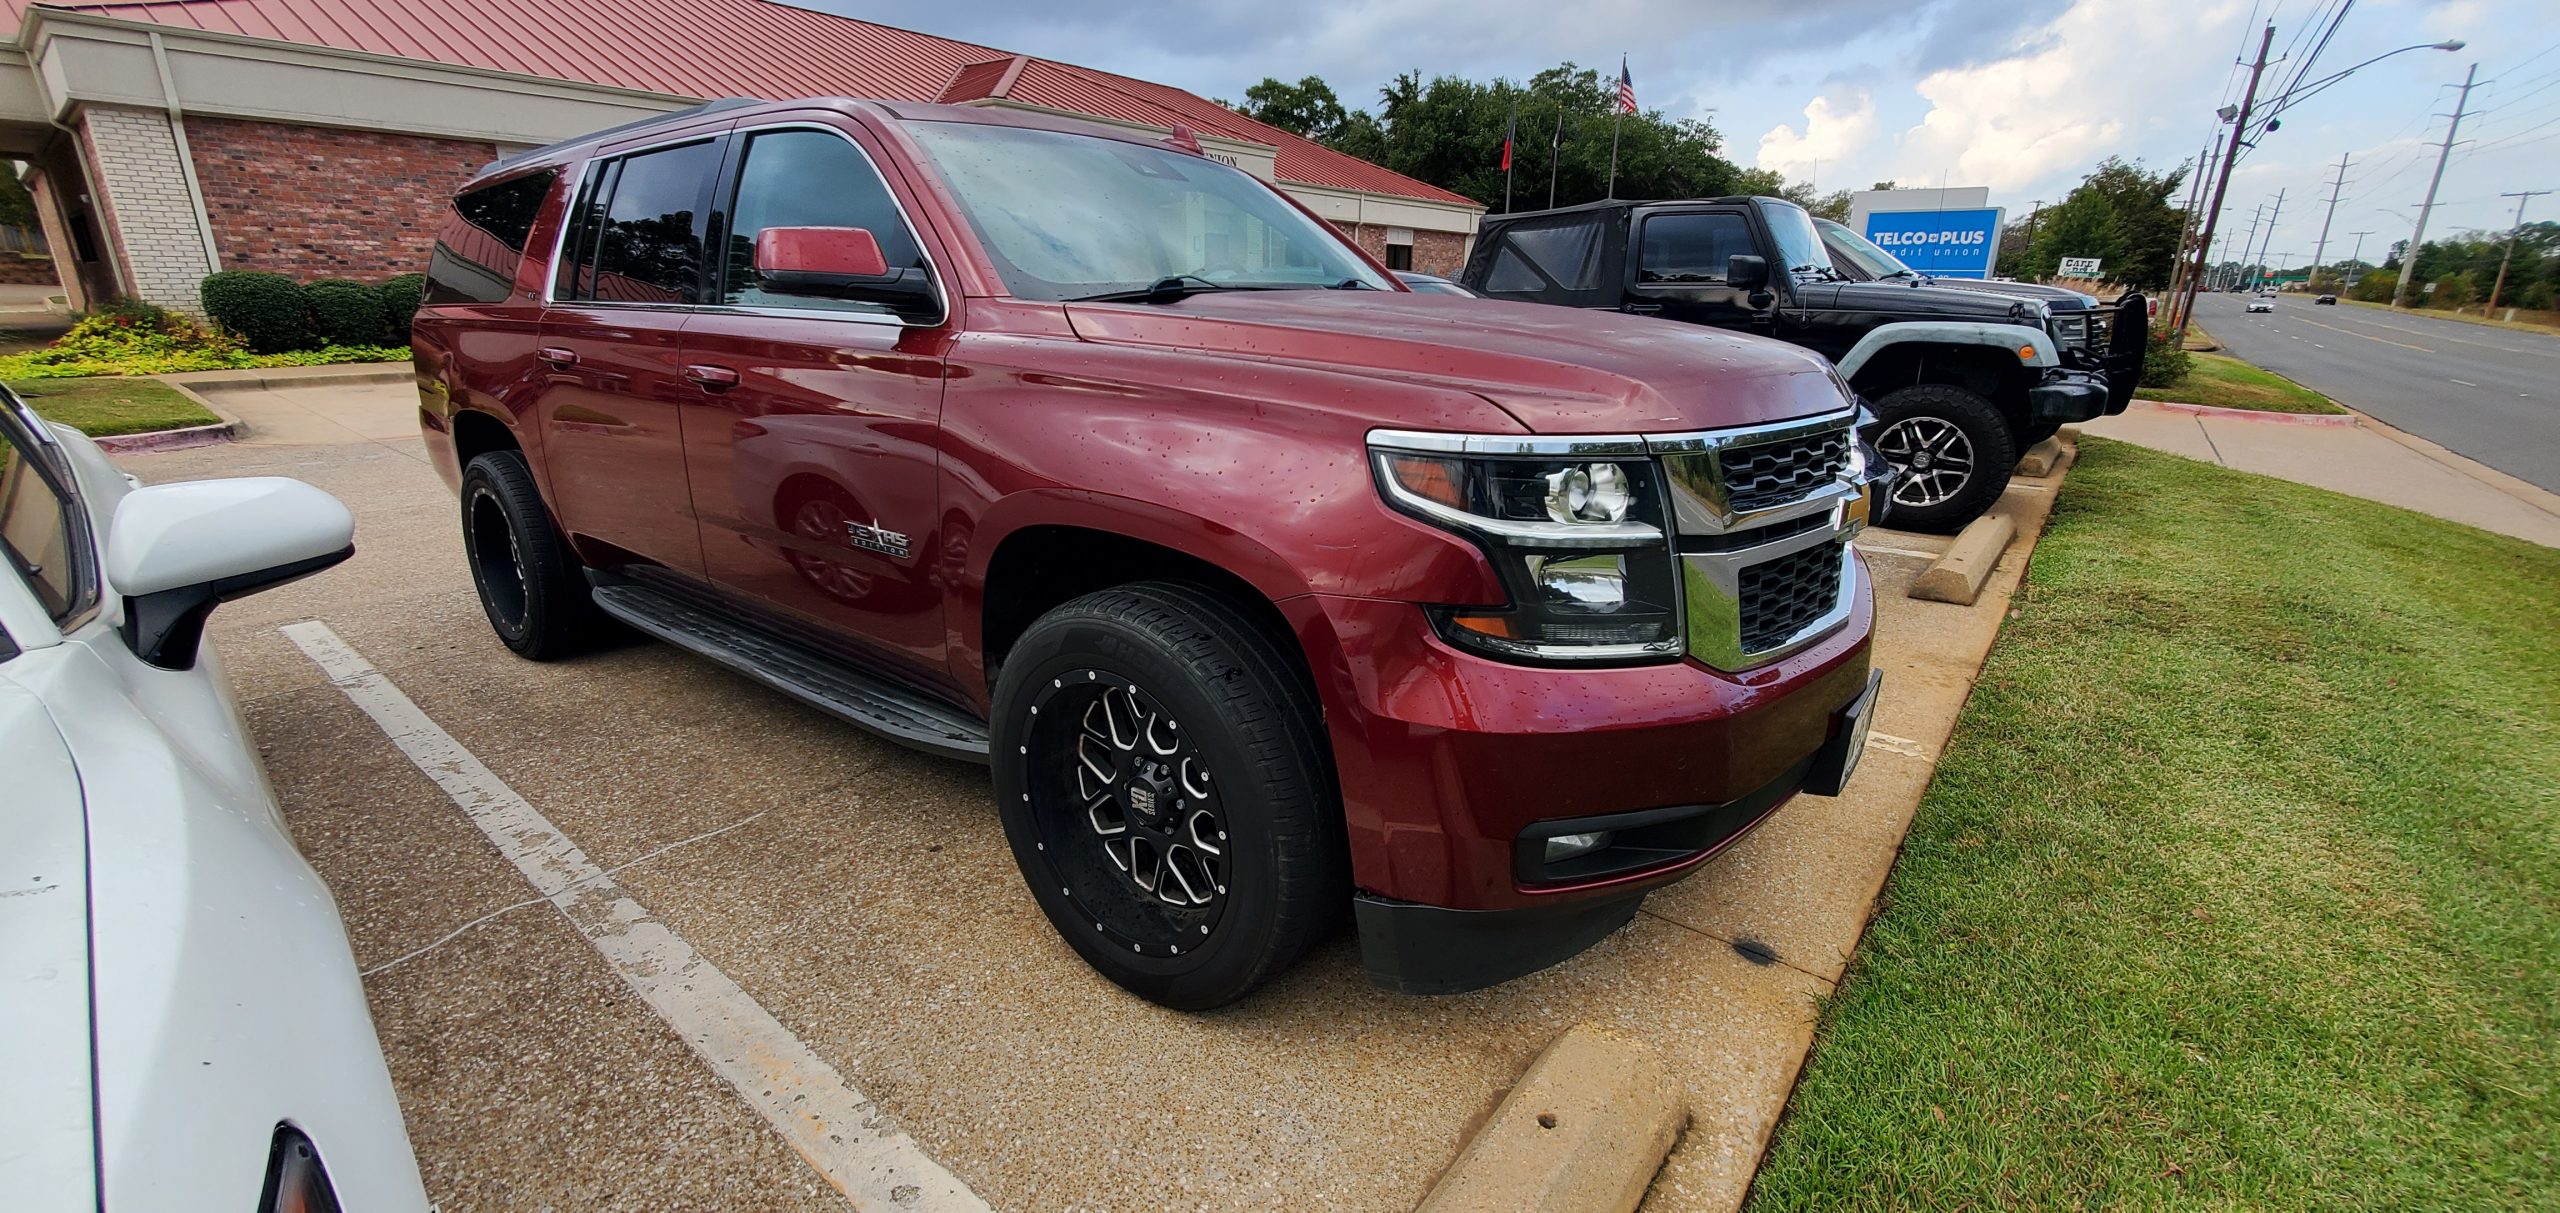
x=577 y=178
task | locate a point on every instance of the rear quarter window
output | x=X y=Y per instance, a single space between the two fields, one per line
x=483 y=239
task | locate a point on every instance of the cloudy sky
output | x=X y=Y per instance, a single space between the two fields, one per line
x=2020 y=97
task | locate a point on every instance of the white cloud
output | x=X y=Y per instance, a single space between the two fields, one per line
x=1833 y=132
x=2074 y=92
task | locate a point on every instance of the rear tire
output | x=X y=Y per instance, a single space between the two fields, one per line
x=531 y=586
x=1952 y=453
x=1164 y=784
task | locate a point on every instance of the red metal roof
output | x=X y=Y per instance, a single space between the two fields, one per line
x=755 y=48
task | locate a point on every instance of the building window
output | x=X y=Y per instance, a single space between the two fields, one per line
x=1399 y=256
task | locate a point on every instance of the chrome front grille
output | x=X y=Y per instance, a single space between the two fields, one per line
x=1781 y=597
x=1763 y=518
x=1775 y=473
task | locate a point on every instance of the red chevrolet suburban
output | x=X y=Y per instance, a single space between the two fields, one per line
x=1263 y=585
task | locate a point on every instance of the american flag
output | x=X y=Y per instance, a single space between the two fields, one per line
x=1626 y=89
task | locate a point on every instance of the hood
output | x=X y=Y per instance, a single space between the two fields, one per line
x=1904 y=299
x=2059 y=298
x=47 y=1139
x=1555 y=370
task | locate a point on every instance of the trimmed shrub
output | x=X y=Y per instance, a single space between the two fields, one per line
x=2164 y=362
x=270 y=312
x=400 y=304
x=345 y=312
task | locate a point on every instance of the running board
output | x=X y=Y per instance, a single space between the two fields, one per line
x=829 y=685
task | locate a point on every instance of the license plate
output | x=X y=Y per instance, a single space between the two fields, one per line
x=1839 y=757
x=1862 y=719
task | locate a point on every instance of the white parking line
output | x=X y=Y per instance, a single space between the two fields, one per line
x=1878 y=548
x=845 y=1137
x=1900 y=745
x=2463 y=382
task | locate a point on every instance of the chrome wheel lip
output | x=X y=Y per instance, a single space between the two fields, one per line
x=1152 y=878
x=1932 y=457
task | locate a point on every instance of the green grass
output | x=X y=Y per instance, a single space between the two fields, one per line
x=99 y=407
x=2238 y=885
x=2226 y=382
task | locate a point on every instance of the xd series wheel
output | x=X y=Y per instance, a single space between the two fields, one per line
x=1953 y=453
x=530 y=584
x=1165 y=789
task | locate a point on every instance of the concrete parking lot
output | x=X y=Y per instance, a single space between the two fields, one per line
x=862 y=895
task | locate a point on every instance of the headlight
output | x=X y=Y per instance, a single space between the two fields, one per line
x=2070 y=330
x=1578 y=543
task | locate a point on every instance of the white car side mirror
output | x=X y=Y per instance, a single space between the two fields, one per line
x=175 y=551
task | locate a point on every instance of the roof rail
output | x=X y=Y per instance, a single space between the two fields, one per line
x=707 y=107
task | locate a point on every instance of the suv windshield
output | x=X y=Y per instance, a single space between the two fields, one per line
x=1066 y=216
x=1798 y=244
x=1861 y=252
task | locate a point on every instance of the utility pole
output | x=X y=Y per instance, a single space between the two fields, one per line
x=2409 y=262
x=2521 y=197
x=2222 y=184
x=2270 y=241
x=2249 y=243
x=2323 y=246
x=2357 y=257
x=2187 y=219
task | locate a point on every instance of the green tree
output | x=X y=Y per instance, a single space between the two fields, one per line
x=17 y=207
x=1307 y=108
x=2119 y=213
x=1448 y=131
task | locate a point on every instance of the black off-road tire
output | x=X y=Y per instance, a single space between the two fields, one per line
x=531 y=585
x=1242 y=708
x=1938 y=421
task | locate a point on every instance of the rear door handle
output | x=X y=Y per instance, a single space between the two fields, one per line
x=711 y=378
x=557 y=355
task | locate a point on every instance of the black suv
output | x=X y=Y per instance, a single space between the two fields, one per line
x=1962 y=379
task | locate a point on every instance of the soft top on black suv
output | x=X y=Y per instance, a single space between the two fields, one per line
x=1962 y=380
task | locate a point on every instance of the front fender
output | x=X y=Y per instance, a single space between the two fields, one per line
x=1951 y=332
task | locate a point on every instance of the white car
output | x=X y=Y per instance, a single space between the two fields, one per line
x=181 y=1024
x=2262 y=305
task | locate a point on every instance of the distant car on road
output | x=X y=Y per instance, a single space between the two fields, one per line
x=2262 y=304
x=1430 y=284
x=180 y=1017
x=2327 y=301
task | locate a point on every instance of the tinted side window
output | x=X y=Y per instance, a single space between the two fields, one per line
x=805 y=178
x=1569 y=254
x=35 y=528
x=483 y=238
x=1692 y=248
x=648 y=243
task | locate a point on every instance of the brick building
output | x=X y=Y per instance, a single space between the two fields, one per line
x=320 y=138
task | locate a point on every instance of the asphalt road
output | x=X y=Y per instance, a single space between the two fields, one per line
x=2492 y=394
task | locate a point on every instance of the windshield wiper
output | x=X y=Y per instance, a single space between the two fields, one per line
x=1162 y=290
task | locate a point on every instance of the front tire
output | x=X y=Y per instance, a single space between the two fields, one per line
x=531 y=586
x=1953 y=453
x=1164 y=785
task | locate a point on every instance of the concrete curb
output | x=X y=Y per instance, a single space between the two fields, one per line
x=1584 y=1131
x=228 y=429
x=290 y=376
x=2207 y=410
x=2044 y=459
x=1957 y=577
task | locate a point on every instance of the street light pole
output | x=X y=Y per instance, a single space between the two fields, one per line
x=2321 y=248
x=2521 y=197
x=2409 y=261
x=2222 y=184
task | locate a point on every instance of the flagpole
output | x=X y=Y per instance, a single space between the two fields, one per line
x=1554 y=146
x=1510 y=135
x=1619 y=107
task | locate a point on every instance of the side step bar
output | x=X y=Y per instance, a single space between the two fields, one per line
x=829 y=685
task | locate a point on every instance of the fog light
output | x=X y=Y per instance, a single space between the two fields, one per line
x=1571 y=846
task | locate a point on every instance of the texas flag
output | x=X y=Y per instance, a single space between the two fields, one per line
x=1626 y=88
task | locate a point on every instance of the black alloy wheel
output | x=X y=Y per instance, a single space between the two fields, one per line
x=531 y=586
x=1952 y=453
x=1164 y=784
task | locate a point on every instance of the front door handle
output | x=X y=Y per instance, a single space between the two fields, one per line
x=557 y=355
x=711 y=378
x=1641 y=309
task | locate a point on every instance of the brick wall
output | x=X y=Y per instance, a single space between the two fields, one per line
x=1442 y=253
x=314 y=202
x=149 y=215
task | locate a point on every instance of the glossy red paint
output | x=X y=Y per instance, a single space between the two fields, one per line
x=1227 y=427
x=819 y=250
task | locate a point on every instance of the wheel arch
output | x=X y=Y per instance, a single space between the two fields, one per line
x=1995 y=373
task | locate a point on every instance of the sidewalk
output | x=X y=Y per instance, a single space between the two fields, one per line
x=2367 y=459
